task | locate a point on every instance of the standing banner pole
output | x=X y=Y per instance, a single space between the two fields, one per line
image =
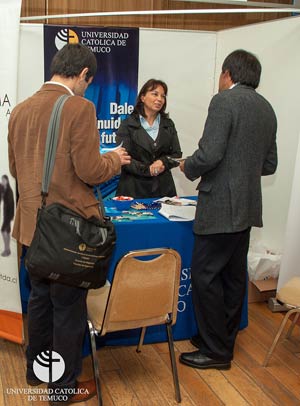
x=11 y=324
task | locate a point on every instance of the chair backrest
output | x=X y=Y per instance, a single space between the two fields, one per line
x=144 y=290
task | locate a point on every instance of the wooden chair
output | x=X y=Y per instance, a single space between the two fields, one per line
x=289 y=295
x=144 y=293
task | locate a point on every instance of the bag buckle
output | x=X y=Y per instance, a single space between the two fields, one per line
x=44 y=197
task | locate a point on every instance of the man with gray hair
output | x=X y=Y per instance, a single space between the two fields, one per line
x=237 y=148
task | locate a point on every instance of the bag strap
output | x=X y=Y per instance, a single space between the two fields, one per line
x=51 y=145
x=101 y=205
x=50 y=151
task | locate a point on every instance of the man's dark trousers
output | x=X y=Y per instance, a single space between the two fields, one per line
x=57 y=318
x=219 y=277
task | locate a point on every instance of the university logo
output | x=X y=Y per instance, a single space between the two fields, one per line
x=48 y=366
x=82 y=247
x=65 y=36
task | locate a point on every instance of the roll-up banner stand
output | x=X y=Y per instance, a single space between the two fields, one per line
x=114 y=88
x=11 y=325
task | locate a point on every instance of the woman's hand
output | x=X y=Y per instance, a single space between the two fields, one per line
x=157 y=168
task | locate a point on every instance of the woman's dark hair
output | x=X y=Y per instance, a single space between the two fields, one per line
x=150 y=85
x=71 y=59
x=243 y=67
x=8 y=188
x=8 y=200
x=6 y=178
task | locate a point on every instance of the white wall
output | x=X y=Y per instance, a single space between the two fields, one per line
x=277 y=46
x=186 y=61
x=291 y=253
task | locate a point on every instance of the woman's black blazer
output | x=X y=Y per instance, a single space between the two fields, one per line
x=136 y=180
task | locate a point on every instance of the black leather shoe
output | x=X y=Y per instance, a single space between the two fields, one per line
x=196 y=341
x=197 y=360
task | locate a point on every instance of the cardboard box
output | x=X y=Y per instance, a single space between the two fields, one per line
x=261 y=291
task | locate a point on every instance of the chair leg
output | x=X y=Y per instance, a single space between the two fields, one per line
x=283 y=323
x=173 y=362
x=295 y=319
x=95 y=362
x=143 y=332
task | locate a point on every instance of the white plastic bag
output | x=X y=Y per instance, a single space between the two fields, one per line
x=262 y=263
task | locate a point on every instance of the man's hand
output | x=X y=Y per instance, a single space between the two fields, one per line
x=156 y=168
x=123 y=155
x=181 y=166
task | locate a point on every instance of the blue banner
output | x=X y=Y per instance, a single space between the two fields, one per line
x=114 y=87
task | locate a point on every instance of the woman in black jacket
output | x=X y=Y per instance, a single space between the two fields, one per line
x=8 y=213
x=150 y=137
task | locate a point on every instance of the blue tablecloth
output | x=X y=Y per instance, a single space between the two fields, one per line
x=152 y=233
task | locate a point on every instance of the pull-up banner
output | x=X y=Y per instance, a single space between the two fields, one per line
x=114 y=88
x=11 y=326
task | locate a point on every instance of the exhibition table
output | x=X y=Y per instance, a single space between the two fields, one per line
x=152 y=231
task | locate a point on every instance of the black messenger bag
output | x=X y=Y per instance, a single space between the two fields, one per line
x=66 y=247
